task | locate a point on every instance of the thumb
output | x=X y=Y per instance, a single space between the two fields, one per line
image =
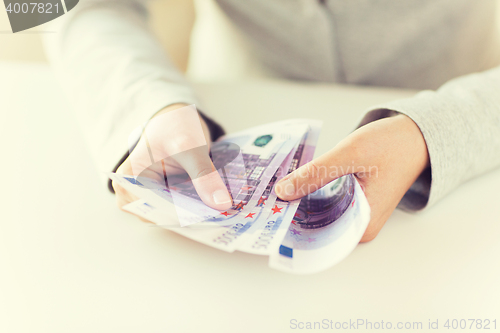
x=315 y=174
x=206 y=180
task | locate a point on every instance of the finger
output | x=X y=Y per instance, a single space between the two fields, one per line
x=206 y=180
x=379 y=212
x=373 y=229
x=312 y=176
x=376 y=224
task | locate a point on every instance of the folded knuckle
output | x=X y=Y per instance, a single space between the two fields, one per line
x=312 y=171
x=181 y=143
x=203 y=171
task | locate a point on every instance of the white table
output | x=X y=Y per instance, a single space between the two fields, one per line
x=72 y=262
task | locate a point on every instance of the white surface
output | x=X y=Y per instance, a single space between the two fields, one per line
x=72 y=262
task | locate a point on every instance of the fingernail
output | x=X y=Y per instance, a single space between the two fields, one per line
x=221 y=197
x=285 y=188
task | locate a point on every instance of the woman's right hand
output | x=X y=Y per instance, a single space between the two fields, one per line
x=179 y=134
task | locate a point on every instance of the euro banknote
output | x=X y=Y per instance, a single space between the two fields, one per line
x=303 y=236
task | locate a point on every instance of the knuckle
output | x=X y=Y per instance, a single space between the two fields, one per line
x=310 y=178
x=181 y=142
x=314 y=175
x=312 y=171
x=203 y=171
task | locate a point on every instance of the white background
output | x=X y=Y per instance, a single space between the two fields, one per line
x=72 y=262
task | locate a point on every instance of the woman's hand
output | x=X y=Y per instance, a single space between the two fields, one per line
x=179 y=137
x=386 y=156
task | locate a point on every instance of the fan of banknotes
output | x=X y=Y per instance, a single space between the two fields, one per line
x=304 y=236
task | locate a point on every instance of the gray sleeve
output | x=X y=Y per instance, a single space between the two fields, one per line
x=114 y=72
x=460 y=123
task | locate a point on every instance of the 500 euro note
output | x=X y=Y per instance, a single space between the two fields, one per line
x=246 y=175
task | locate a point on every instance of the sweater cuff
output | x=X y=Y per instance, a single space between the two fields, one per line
x=434 y=182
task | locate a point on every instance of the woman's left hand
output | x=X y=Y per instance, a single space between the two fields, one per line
x=386 y=156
